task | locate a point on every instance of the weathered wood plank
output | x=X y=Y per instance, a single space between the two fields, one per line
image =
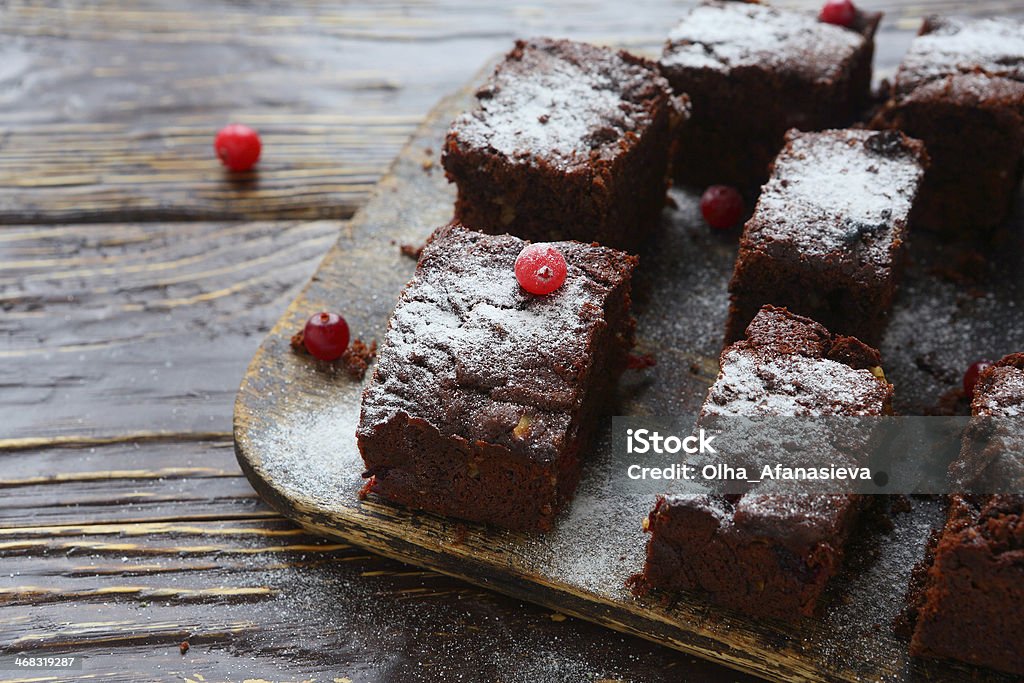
x=261 y=599
x=125 y=483
x=109 y=110
x=139 y=329
x=318 y=169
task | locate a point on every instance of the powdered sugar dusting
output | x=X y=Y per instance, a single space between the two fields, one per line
x=560 y=106
x=994 y=46
x=600 y=505
x=315 y=451
x=730 y=35
x=1005 y=396
x=830 y=192
x=753 y=384
x=464 y=325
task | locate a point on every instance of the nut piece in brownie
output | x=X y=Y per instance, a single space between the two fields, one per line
x=960 y=89
x=968 y=602
x=827 y=234
x=485 y=398
x=568 y=141
x=752 y=72
x=769 y=554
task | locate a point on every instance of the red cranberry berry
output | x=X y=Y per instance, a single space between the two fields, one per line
x=326 y=336
x=238 y=147
x=971 y=376
x=540 y=269
x=722 y=206
x=839 y=12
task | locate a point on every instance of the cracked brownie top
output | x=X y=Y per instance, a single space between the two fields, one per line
x=564 y=102
x=725 y=36
x=471 y=352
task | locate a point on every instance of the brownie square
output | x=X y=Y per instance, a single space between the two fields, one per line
x=826 y=238
x=752 y=72
x=968 y=597
x=960 y=89
x=485 y=398
x=760 y=552
x=568 y=141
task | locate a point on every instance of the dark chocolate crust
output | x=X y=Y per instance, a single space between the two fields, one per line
x=826 y=238
x=960 y=89
x=768 y=554
x=752 y=72
x=485 y=397
x=967 y=600
x=568 y=141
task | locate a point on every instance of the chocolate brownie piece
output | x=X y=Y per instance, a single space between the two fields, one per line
x=568 y=141
x=960 y=89
x=765 y=553
x=485 y=398
x=752 y=72
x=827 y=235
x=969 y=601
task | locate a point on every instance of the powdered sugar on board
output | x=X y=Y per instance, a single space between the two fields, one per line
x=315 y=453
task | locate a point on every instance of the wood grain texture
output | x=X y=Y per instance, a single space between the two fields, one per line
x=138 y=329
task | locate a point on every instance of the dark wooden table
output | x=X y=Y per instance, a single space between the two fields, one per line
x=136 y=280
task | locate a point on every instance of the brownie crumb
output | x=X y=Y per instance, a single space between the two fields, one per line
x=412 y=251
x=298 y=343
x=366 y=488
x=357 y=358
x=183 y=647
x=427 y=165
x=640 y=361
x=636 y=585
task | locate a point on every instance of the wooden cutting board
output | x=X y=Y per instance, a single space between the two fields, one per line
x=295 y=424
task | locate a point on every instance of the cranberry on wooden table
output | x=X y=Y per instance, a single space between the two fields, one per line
x=238 y=147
